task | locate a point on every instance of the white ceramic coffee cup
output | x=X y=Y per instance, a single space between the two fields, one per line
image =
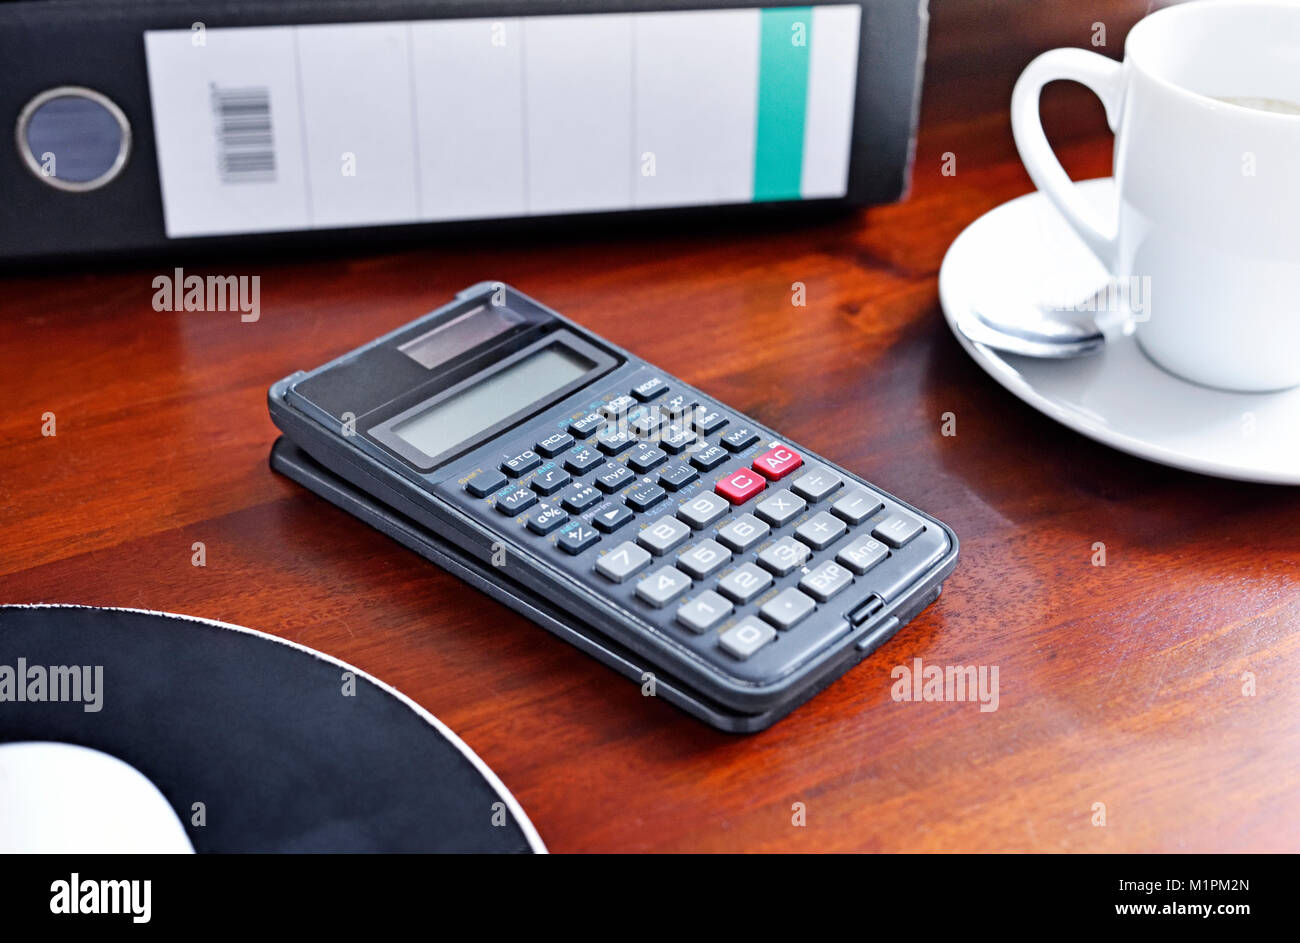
x=1208 y=214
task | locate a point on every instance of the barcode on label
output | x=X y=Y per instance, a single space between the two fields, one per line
x=245 y=145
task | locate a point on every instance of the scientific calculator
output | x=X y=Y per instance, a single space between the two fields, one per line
x=718 y=564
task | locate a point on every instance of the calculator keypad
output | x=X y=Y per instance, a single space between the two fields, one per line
x=729 y=541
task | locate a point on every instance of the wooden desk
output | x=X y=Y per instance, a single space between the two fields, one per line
x=1120 y=685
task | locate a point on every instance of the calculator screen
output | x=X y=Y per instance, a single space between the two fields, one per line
x=487 y=402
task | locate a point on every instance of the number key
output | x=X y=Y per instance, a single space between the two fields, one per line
x=745 y=582
x=663 y=535
x=743 y=532
x=627 y=559
x=702 y=510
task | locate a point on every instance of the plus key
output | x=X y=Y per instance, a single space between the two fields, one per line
x=740 y=486
x=777 y=462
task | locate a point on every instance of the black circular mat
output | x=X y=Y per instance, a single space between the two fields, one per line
x=261 y=732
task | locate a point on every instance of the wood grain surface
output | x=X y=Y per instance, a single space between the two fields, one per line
x=1120 y=685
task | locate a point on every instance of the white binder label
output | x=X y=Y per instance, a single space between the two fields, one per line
x=283 y=128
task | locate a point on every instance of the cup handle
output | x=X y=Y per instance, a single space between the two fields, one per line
x=1105 y=77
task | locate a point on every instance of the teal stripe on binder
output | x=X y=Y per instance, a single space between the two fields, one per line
x=782 y=102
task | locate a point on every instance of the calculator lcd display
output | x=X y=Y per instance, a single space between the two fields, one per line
x=493 y=399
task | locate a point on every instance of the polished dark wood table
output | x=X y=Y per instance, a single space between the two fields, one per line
x=1119 y=685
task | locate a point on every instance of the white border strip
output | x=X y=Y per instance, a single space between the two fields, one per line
x=525 y=824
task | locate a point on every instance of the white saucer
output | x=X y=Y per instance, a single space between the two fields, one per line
x=1022 y=252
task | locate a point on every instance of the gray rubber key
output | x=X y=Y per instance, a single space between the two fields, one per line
x=704 y=611
x=627 y=559
x=745 y=582
x=856 y=506
x=816 y=483
x=784 y=555
x=862 y=554
x=897 y=529
x=787 y=607
x=780 y=507
x=743 y=532
x=745 y=637
x=826 y=580
x=663 y=586
x=663 y=535
x=704 y=558
x=820 y=530
x=703 y=509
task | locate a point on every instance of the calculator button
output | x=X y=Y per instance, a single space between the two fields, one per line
x=816 y=484
x=783 y=556
x=780 y=507
x=618 y=406
x=739 y=438
x=646 y=425
x=580 y=497
x=550 y=480
x=609 y=517
x=577 y=539
x=856 y=506
x=677 y=405
x=708 y=458
x=702 y=510
x=649 y=389
x=825 y=580
x=554 y=444
x=614 y=440
x=704 y=558
x=644 y=457
x=663 y=535
x=745 y=582
x=521 y=464
x=663 y=586
x=778 y=462
x=582 y=459
x=787 y=608
x=745 y=637
x=743 y=532
x=584 y=426
x=704 y=611
x=740 y=486
x=645 y=497
x=546 y=518
x=709 y=421
x=675 y=438
x=897 y=529
x=485 y=482
x=676 y=476
x=613 y=476
x=862 y=554
x=520 y=499
x=627 y=559
x=821 y=530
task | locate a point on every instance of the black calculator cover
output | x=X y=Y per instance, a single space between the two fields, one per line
x=554 y=588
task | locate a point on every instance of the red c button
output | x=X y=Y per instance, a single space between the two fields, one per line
x=740 y=486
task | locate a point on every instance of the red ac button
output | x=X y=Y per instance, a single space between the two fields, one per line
x=740 y=486
x=778 y=462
